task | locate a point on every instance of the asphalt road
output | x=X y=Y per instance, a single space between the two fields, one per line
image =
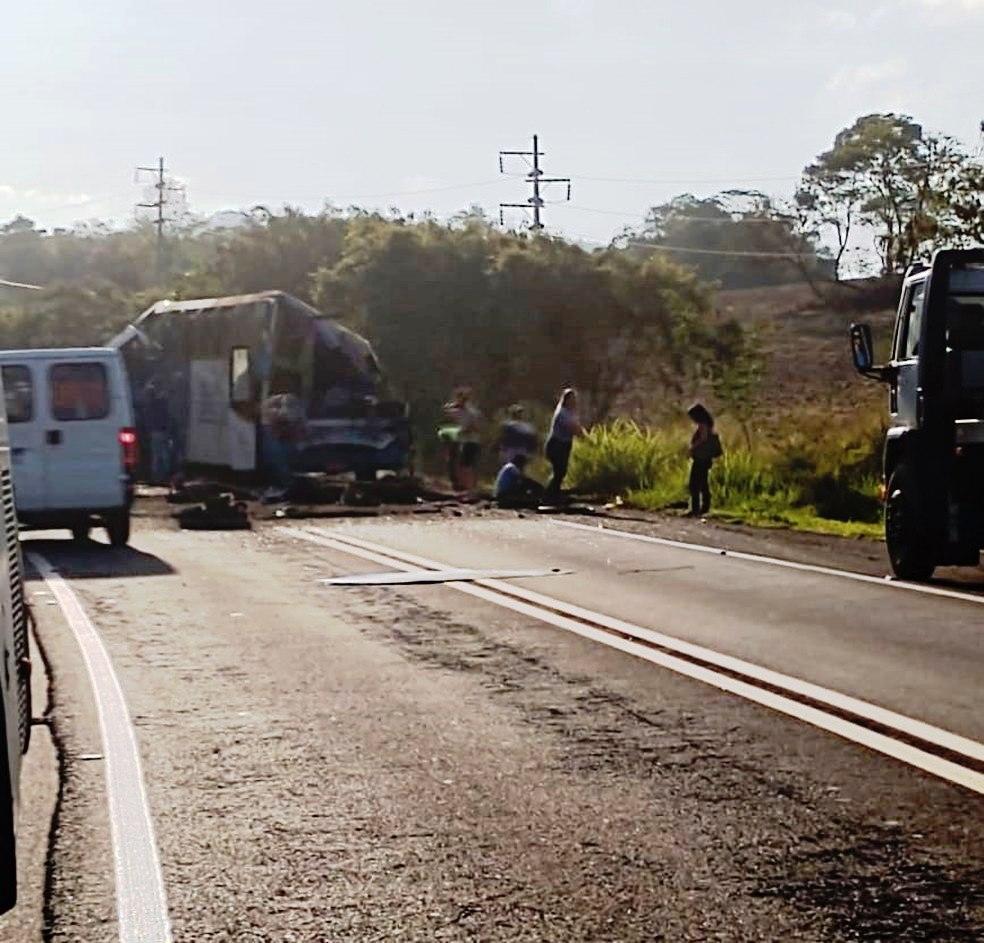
x=409 y=762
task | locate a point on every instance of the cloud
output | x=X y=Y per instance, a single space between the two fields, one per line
x=44 y=198
x=841 y=19
x=967 y=6
x=866 y=75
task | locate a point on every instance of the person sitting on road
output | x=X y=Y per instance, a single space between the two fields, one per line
x=513 y=488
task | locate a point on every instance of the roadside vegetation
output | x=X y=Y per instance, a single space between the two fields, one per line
x=811 y=477
x=737 y=299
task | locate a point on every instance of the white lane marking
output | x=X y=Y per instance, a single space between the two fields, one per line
x=775 y=561
x=554 y=614
x=140 y=898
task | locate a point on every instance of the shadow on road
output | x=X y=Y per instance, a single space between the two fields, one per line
x=91 y=560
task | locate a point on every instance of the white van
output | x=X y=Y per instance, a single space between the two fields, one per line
x=72 y=442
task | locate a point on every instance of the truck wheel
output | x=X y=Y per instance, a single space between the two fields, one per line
x=118 y=527
x=8 y=850
x=80 y=532
x=909 y=545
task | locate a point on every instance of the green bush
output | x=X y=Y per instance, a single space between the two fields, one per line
x=813 y=477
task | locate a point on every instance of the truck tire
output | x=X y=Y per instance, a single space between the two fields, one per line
x=909 y=542
x=117 y=526
x=80 y=532
x=8 y=847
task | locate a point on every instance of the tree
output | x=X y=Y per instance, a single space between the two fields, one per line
x=738 y=239
x=888 y=174
x=830 y=201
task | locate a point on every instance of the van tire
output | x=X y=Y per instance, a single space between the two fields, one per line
x=8 y=847
x=80 y=532
x=117 y=527
x=907 y=538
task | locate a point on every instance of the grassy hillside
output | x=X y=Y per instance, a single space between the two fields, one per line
x=804 y=337
x=812 y=456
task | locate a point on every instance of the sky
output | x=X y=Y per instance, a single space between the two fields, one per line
x=408 y=103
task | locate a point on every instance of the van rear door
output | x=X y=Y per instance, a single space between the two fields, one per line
x=23 y=391
x=83 y=459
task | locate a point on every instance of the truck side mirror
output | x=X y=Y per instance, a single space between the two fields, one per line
x=862 y=350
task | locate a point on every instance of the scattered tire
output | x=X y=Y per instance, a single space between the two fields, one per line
x=117 y=526
x=909 y=543
x=80 y=532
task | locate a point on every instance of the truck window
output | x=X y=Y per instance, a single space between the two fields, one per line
x=908 y=340
x=79 y=391
x=239 y=385
x=18 y=392
x=965 y=322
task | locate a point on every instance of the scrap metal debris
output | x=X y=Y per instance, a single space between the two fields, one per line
x=414 y=577
x=221 y=512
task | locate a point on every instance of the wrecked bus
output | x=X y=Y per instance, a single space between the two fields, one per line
x=202 y=372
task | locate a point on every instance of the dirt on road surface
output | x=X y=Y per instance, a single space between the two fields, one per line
x=407 y=762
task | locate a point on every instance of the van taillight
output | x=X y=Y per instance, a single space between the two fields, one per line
x=131 y=452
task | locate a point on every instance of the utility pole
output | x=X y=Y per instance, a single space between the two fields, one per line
x=536 y=179
x=163 y=186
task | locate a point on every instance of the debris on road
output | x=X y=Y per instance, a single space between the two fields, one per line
x=415 y=577
x=221 y=512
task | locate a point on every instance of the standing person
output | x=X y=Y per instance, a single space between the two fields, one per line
x=517 y=437
x=563 y=428
x=158 y=420
x=282 y=427
x=705 y=446
x=461 y=409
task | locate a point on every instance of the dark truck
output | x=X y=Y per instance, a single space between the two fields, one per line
x=934 y=448
x=202 y=370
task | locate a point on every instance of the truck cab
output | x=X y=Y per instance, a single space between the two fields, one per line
x=934 y=447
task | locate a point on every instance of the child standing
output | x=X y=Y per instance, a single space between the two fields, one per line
x=705 y=446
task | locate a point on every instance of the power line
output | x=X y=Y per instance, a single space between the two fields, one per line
x=536 y=179
x=454 y=186
x=680 y=217
x=661 y=180
x=4 y=283
x=738 y=252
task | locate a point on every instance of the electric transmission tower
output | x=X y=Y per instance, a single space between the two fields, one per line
x=166 y=190
x=536 y=179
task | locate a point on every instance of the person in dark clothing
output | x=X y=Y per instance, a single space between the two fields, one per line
x=705 y=446
x=563 y=428
x=517 y=436
x=513 y=489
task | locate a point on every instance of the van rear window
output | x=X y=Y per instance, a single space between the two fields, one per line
x=79 y=391
x=18 y=392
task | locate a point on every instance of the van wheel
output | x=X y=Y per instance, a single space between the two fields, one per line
x=118 y=528
x=8 y=851
x=909 y=545
x=80 y=532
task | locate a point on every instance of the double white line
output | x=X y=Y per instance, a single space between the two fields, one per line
x=936 y=751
